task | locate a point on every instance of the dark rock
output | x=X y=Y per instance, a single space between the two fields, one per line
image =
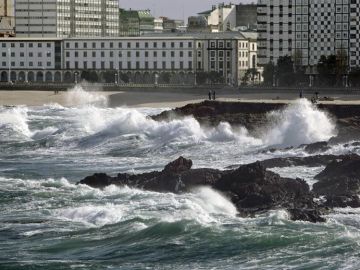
x=340 y=177
x=310 y=161
x=317 y=147
x=251 y=188
x=254 y=189
x=98 y=180
x=342 y=201
x=311 y=215
x=178 y=166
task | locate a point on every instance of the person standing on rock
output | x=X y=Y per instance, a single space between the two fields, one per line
x=209 y=94
x=213 y=95
x=301 y=94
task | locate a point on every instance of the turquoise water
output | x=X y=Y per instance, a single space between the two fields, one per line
x=49 y=222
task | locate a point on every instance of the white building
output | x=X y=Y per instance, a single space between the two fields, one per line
x=140 y=59
x=67 y=18
x=221 y=18
x=307 y=29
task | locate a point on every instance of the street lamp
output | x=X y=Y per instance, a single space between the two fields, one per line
x=76 y=77
x=116 y=78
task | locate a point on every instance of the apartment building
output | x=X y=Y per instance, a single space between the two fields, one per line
x=141 y=59
x=67 y=18
x=7 y=18
x=307 y=29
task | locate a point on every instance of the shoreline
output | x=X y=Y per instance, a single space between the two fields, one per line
x=159 y=98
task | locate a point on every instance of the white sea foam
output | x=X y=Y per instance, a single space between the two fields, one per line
x=300 y=123
x=15 y=119
x=92 y=215
x=213 y=202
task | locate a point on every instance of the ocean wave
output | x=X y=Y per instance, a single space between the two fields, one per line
x=299 y=123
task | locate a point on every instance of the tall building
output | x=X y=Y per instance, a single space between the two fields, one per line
x=67 y=18
x=308 y=29
x=129 y=23
x=7 y=19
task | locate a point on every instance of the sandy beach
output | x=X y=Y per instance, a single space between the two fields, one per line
x=150 y=98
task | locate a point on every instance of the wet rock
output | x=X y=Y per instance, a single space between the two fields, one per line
x=317 y=147
x=341 y=177
x=310 y=161
x=178 y=166
x=254 y=189
x=98 y=180
x=251 y=187
x=342 y=201
x=311 y=215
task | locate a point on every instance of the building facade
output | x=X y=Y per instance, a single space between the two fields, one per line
x=67 y=18
x=143 y=60
x=7 y=18
x=308 y=29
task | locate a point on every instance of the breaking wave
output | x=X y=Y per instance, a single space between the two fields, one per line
x=300 y=123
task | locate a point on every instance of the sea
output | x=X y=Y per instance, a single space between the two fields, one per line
x=47 y=221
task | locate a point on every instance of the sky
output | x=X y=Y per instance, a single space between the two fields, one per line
x=175 y=9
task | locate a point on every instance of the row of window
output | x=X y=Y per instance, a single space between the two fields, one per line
x=30 y=45
x=128 y=45
x=128 y=65
x=30 y=64
x=128 y=54
x=30 y=54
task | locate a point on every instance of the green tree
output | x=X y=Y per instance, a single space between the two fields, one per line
x=327 y=69
x=165 y=77
x=268 y=73
x=285 y=71
x=89 y=76
x=354 y=77
x=109 y=76
x=124 y=78
x=250 y=76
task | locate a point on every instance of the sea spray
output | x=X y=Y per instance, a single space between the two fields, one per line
x=299 y=123
x=15 y=121
x=78 y=96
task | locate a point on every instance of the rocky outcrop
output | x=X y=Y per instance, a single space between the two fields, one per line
x=254 y=115
x=251 y=187
x=309 y=161
x=317 y=147
x=254 y=189
x=176 y=177
x=340 y=177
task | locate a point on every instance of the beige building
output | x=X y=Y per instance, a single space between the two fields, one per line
x=7 y=19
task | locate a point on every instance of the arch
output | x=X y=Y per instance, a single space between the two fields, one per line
x=191 y=78
x=138 y=77
x=165 y=77
x=13 y=76
x=68 y=77
x=48 y=76
x=173 y=78
x=147 y=78
x=22 y=76
x=57 y=76
x=130 y=77
x=39 y=76
x=31 y=76
x=182 y=79
x=124 y=78
x=4 y=76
